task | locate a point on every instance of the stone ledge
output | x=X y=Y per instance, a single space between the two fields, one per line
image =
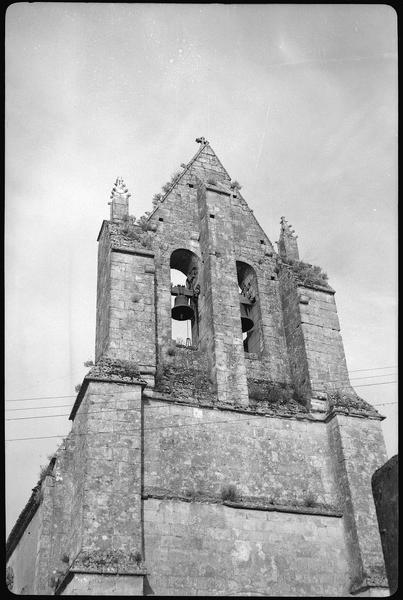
x=109 y=570
x=317 y=287
x=68 y=576
x=213 y=188
x=151 y=394
x=136 y=251
x=348 y=412
x=372 y=578
x=103 y=372
x=246 y=504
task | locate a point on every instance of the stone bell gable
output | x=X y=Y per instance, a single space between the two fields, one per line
x=237 y=463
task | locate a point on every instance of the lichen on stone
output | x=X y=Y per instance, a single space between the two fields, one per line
x=122 y=370
x=350 y=402
x=185 y=376
x=109 y=560
x=127 y=234
x=271 y=396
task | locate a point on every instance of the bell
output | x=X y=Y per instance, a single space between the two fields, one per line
x=246 y=321
x=181 y=310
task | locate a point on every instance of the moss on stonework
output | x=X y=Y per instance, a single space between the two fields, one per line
x=128 y=234
x=350 y=402
x=182 y=381
x=109 y=560
x=271 y=395
x=124 y=370
x=306 y=273
x=185 y=376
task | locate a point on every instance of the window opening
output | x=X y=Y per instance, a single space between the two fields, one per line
x=249 y=308
x=184 y=297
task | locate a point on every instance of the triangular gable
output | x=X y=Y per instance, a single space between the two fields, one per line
x=205 y=164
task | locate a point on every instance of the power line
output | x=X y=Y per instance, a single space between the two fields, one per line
x=148 y=407
x=73 y=396
x=331 y=381
x=71 y=406
x=144 y=429
x=231 y=421
x=68 y=405
x=40 y=398
x=39 y=407
x=372 y=376
x=369 y=384
x=38 y=417
x=131 y=410
x=372 y=369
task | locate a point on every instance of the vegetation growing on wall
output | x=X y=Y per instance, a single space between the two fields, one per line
x=272 y=392
x=135 y=234
x=306 y=273
x=157 y=198
x=234 y=185
x=115 y=368
x=229 y=493
x=349 y=401
x=110 y=560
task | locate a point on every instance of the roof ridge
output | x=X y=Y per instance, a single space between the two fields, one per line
x=221 y=165
x=203 y=145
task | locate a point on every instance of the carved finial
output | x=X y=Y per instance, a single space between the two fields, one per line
x=120 y=188
x=287 y=244
x=120 y=200
x=201 y=140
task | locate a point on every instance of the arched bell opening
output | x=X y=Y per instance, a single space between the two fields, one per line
x=249 y=308
x=184 y=293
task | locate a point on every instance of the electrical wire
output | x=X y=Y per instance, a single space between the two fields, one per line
x=330 y=381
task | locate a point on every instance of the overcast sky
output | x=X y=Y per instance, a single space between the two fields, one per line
x=298 y=101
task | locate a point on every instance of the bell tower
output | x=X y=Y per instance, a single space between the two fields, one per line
x=236 y=463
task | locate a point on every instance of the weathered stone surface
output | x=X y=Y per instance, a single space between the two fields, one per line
x=240 y=465
x=386 y=496
x=357 y=450
x=197 y=548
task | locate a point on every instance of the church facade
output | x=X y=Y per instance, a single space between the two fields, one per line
x=238 y=462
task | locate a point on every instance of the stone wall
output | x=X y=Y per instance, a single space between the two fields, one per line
x=197 y=549
x=294 y=335
x=323 y=342
x=96 y=584
x=110 y=502
x=23 y=559
x=222 y=477
x=103 y=293
x=357 y=449
x=277 y=460
x=386 y=496
x=313 y=336
x=222 y=296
